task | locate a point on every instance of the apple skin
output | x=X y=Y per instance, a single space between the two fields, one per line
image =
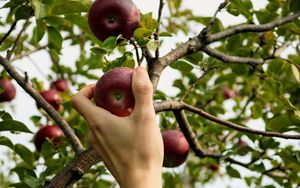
x=113 y=91
x=176 y=148
x=111 y=18
x=9 y=92
x=52 y=132
x=52 y=97
x=60 y=85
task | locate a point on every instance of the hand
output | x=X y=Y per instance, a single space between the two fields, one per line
x=130 y=147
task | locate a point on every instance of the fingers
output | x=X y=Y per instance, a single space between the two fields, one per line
x=142 y=90
x=82 y=103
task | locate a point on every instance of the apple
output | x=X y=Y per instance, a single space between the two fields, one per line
x=113 y=91
x=51 y=132
x=229 y=93
x=214 y=167
x=112 y=18
x=60 y=85
x=9 y=90
x=52 y=97
x=176 y=148
x=242 y=147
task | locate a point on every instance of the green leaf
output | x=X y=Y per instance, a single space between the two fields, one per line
x=165 y=34
x=5 y=116
x=12 y=125
x=24 y=153
x=256 y=110
x=194 y=58
x=23 y=12
x=38 y=32
x=182 y=66
x=148 y=22
x=68 y=7
x=33 y=182
x=294 y=5
x=110 y=43
x=6 y=142
x=280 y=123
x=233 y=172
x=99 y=50
x=54 y=39
x=40 y=9
x=142 y=33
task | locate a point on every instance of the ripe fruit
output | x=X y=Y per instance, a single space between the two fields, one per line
x=59 y=85
x=176 y=148
x=9 y=91
x=51 y=132
x=113 y=92
x=52 y=97
x=111 y=18
x=229 y=93
x=214 y=167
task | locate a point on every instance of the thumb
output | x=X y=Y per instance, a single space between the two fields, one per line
x=142 y=90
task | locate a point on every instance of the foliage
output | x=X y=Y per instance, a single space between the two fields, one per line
x=267 y=93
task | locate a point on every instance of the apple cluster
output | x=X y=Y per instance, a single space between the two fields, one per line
x=51 y=132
x=113 y=90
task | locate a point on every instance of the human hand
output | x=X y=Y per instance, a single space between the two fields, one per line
x=130 y=147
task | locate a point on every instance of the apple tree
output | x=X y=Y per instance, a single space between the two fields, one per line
x=237 y=96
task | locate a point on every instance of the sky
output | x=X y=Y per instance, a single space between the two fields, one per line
x=39 y=64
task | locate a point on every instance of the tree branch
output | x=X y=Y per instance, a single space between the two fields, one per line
x=253 y=28
x=22 y=81
x=231 y=59
x=175 y=105
x=82 y=162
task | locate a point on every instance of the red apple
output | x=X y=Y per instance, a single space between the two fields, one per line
x=9 y=90
x=52 y=97
x=113 y=91
x=51 y=132
x=60 y=85
x=111 y=18
x=229 y=93
x=214 y=167
x=176 y=148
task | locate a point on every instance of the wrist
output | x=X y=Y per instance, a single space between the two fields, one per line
x=145 y=178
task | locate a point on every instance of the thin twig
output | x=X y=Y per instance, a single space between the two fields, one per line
x=16 y=43
x=177 y=105
x=12 y=27
x=207 y=30
x=156 y=34
x=27 y=53
x=193 y=86
x=136 y=51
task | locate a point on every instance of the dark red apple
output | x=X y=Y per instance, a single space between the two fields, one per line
x=60 y=85
x=176 y=148
x=242 y=147
x=52 y=97
x=9 y=90
x=113 y=91
x=214 y=167
x=111 y=18
x=51 y=132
